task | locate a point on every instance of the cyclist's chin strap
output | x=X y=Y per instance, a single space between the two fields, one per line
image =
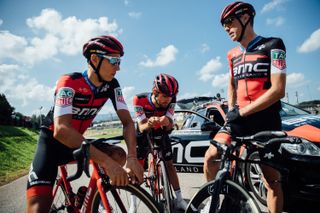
x=97 y=69
x=156 y=99
x=244 y=26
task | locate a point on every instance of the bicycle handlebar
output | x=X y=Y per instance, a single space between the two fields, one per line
x=81 y=155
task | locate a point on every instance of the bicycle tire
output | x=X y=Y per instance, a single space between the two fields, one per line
x=145 y=203
x=166 y=199
x=60 y=198
x=232 y=198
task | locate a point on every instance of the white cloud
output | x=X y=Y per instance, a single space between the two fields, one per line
x=8 y=68
x=60 y=36
x=164 y=57
x=274 y=4
x=311 y=44
x=220 y=81
x=295 y=79
x=1 y=22
x=205 y=48
x=135 y=15
x=278 y=21
x=206 y=72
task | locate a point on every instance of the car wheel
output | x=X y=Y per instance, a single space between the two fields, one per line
x=254 y=175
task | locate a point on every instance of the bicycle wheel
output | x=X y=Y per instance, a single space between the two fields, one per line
x=165 y=195
x=60 y=200
x=120 y=200
x=232 y=198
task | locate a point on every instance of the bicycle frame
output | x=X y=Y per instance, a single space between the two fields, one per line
x=94 y=183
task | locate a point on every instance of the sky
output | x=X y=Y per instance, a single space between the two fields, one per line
x=40 y=40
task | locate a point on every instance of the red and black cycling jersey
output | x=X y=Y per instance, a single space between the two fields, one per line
x=75 y=94
x=144 y=108
x=251 y=68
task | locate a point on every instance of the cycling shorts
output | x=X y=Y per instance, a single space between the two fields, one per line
x=143 y=147
x=250 y=125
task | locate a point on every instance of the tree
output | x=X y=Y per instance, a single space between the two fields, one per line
x=6 y=110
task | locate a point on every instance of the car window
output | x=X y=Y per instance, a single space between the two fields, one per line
x=193 y=121
x=289 y=110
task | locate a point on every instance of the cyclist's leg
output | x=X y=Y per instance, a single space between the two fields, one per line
x=272 y=181
x=211 y=167
x=42 y=174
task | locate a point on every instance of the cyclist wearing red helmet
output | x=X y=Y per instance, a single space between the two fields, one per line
x=78 y=98
x=257 y=83
x=155 y=111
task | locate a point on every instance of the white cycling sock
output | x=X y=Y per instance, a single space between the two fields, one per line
x=178 y=194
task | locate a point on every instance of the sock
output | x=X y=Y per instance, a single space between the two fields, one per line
x=178 y=194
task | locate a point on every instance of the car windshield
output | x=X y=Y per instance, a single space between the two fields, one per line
x=193 y=121
x=289 y=110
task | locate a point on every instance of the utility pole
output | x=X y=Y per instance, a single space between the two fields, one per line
x=40 y=118
x=287 y=96
x=297 y=97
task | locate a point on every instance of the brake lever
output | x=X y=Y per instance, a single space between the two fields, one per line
x=86 y=158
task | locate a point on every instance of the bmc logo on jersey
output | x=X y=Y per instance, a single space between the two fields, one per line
x=85 y=112
x=278 y=58
x=64 y=97
x=250 y=67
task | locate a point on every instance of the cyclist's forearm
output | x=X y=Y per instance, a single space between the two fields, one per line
x=130 y=138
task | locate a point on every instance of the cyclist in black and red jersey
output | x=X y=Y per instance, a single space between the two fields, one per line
x=155 y=111
x=78 y=98
x=257 y=83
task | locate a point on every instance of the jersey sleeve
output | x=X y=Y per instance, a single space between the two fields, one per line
x=278 y=57
x=138 y=109
x=64 y=94
x=170 y=111
x=116 y=96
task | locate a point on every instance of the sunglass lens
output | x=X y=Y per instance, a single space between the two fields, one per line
x=115 y=61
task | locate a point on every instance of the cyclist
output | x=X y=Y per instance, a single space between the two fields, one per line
x=154 y=111
x=257 y=83
x=78 y=98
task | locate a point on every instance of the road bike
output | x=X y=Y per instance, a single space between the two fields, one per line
x=100 y=195
x=157 y=179
x=226 y=193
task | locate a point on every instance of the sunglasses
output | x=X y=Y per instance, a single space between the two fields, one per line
x=228 y=21
x=112 y=60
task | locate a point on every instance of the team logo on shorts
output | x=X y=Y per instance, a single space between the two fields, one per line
x=119 y=96
x=278 y=58
x=64 y=97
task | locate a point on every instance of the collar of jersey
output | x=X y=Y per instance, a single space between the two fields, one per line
x=92 y=86
x=251 y=43
x=150 y=100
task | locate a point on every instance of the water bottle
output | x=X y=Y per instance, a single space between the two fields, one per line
x=80 y=196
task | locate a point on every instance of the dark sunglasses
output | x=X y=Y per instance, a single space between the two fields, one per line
x=228 y=21
x=112 y=60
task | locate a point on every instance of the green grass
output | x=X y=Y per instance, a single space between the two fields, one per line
x=17 y=147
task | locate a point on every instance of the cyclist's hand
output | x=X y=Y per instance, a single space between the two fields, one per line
x=233 y=115
x=153 y=121
x=135 y=170
x=118 y=175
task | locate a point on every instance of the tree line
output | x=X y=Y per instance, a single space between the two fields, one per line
x=8 y=116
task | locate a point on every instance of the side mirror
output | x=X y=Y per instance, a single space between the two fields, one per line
x=210 y=126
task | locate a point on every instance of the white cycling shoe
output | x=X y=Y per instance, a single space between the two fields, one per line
x=180 y=204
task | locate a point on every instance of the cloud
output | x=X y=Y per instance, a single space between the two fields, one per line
x=53 y=35
x=205 y=48
x=164 y=57
x=8 y=68
x=206 y=72
x=295 y=79
x=274 y=4
x=126 y=2
x=220 y=81
x=1 y=22
x=278 y=21
x=135 y=15
x=311 y=44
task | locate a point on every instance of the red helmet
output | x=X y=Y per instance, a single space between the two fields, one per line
x=236 y=9
x=102 y=45
x=166 y=84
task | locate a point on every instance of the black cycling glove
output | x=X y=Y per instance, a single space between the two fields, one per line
x=233 y=115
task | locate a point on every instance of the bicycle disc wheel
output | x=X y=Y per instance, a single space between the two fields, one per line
x=120 y=200
x=60 y=199
x=232 y=198
x=165 y=195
